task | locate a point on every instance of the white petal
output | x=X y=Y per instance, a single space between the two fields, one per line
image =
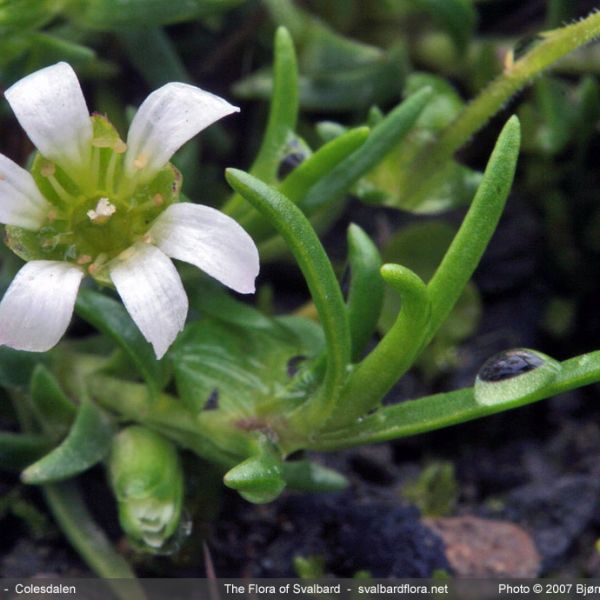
x=167 y=119
x=152 y=292
x=21 y=203
x=37 y=307
x=211 y=241
x=51 y=108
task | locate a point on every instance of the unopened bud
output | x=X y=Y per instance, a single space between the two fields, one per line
x=147 y=479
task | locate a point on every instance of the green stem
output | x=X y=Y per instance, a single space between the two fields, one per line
x=394 y=354
x=442 y=410
x=554 y=45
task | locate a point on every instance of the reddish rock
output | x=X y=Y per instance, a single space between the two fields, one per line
x=485 y=548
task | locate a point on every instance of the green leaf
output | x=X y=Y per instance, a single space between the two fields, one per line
x=46 y=49
x=316 y=166
x=479 y=224
x=90 y=542
x=51 y=407
x=258 y=479
x=303 y=242
x=109 y=15
x=111 y=318
x=453 y=185
x=24 y=14
x=421 y=247
x=394 y=354
x=444 y=106
x=283 y=115
x=436 y=490
x=242 y=368
x=19 y=450
x=365 y=297
x=442 y=410
x=381 y=140
x=88 y=443
x=16 y=367
x=307 y=476
x=457 y=17
x=338 y=73
x=151 y=52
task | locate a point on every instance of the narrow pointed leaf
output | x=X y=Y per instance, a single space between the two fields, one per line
x=395 y=353
x=111 y=318
x=298 y=183
x=365 y=297
x=283 y=115
x=258 y=479
x=307 y=476
x=88 y=443
x=19 y=450
x=51 y=406
x=462 y=258
x=384 y=136
x=303 y=242
x=91 y=543
x=442 y=410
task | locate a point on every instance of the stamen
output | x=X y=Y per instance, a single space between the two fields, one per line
x=140 y=162
x=84 y=259
x=126 y=254
x=119 y=147
x=48 y=169
x=110 y=173
x=96 y=165
x=60 y=190
x=97 y=264
x=103 y=211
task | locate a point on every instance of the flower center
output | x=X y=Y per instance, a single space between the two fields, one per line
x=97 y=212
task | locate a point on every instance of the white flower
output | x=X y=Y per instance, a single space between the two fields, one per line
x=91 y=206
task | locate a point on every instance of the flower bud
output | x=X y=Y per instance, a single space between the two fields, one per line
x=147 y=479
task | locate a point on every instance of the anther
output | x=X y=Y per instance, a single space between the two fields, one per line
x=140 y=162
x=48 y=169
x=119 y=147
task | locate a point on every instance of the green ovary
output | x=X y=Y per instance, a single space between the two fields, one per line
x=96 y=213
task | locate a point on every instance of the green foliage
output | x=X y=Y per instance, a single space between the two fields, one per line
x=259 y=479
x=111 y=318
x=406 y=247
x=87 y=443
x=241 y=367
x=246 y=390
x=435 y=491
